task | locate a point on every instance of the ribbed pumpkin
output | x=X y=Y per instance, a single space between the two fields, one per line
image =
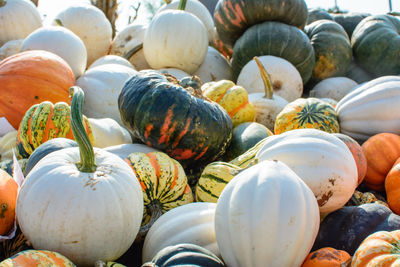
x=233 y=17
x=173 y=118
x=357 y=73
x=326 y=257
x=275 y=39
x=392 y=187
x=307 y=113
x=37 y=258
x=8 y=200
x=30 y=78
x=349 y=21
x=381 y=151
x=233 y=98
x=315 y=14
x=43 y=122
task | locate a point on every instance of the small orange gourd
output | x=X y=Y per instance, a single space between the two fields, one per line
x=327 y=257
x=8 y=199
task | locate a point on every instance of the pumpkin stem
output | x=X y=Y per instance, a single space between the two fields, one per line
x=4 y=208
x=156 y=212
x=132 y=51
x=58 y=22
x=3 y=3
x=269 y=89
x=167 y=1
x=87 y=163
x=182 y=5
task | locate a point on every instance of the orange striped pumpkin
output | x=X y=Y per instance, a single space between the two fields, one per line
x=37 y=258
x=8 y=200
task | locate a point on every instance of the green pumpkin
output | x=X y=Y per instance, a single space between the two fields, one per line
x=174 y=118
x=332 y=49
x=315 y=14
x=357 y=74
x=275 y=39
x=375 y=43
x=349 y=21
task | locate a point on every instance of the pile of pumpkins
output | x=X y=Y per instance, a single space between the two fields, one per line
x=253 y=137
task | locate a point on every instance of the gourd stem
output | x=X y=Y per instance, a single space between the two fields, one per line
x=156 y=212
x=167 y=1
x=87 y=163
x=132 y=51
x=3 y=3
x=182 y=5
x=58 y=22
x=269 y=90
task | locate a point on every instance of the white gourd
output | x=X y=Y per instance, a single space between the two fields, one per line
x=179 y=74
x=215 y=67
x=107 y=132
x=335 y=88
x=10 y=48
x=111 y=59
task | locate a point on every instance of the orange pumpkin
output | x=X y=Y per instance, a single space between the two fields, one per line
x=378 y=249
x=358 y=154
x=326 y=257
x=392 y=187
x=29 y=78
x=8 y=199
x=37 y=258
x=381 y=151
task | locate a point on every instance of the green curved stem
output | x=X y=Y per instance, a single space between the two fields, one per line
x=268 y=88
x=132 y=51
x=87 y=163
x=3 y=3
x=58 y=22
x=182 y=5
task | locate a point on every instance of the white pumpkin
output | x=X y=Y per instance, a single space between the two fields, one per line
x=84 y=211
x=285 y=78
x=335 y=88
x=371 y=108
x=107 y=132
x=124 y=150
x=175 y=39
x=192 y=223
x=179 y=74
x=198 y=9
x=128 y=43
x=91 y=25
x=8 y=144
x=266 y=216
x=102 y=86
x=60 y=41
x=215 y=67
x=111 y=59
x=10 y=48
x=320 y=159
x=18 y=18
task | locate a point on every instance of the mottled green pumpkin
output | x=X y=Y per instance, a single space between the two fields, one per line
x=357 y=73
x=307 y=113
x=349 y=21
x=315 y=14
x=38 y=258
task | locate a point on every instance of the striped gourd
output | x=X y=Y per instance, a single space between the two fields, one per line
x=37 y=258
x=163 y=181
x=43 y=122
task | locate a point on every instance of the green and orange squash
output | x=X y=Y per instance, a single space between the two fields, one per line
x=37 y=258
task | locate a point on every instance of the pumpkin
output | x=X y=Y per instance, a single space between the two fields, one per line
x=248 y=212
x=392 y=188
x=18 y=19
x=332 y=49
x=177 y=120
x=60 y=41
x=7 y=145
x=330 y=101
x=232 y=98
x=285 y=78
x=10 y=48
x=381 y=152
x=225 y=50
x=232 y=18
x=8 y=199
x=111 y=59
x=86 y=176
x=275 y=39
x=315 y=14
x=102 y=86
x=359 y=198
x=327 y=257
x=358 y=74
x=175 y=38
x=307 y=113
x=124 y=150
x=349 y=21
x=107 y=132
x=37 y=258
x=32 y=77
x=267 y=105
x=347 y=227
x=192 y=223
x=179 y=74
x=334 y=87
x=358 y=155
x=164 y=184
x=378 y=249
x=43 y=122
x=91 y=25
x=215 y=67
x=184 y=255
x=375 y=45
x=248 y=157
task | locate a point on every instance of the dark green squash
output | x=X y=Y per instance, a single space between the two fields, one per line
x=174 y=119
x=275 y=39
x=349 y=21
x=45 y=149
x=347 y=227
x=332 y=49
x=315 y=14
x=233 y=17
x=357 y=74
x=184 y=255
x=376 y=45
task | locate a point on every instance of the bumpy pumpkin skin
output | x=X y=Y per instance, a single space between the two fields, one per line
x=38 y=258
x=8 y=200
x=307 y=113
x=381 y=151
x=326 y=257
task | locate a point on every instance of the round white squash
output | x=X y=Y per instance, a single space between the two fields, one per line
x=18 y=18
x=10 y=48
x=215 y=67
x=266 y=216
x=320 y=159
x=91 y=25
x=128 y=43
x=192 y=223
x=196 y=8
x=111 y=59
x=60 y=41
x=175 y=39
x=107 y=132
x=179 y=74
x=102 y=86
x=285 y=78
x=335 y=88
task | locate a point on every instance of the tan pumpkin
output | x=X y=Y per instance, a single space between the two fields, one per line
x=10 y=48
